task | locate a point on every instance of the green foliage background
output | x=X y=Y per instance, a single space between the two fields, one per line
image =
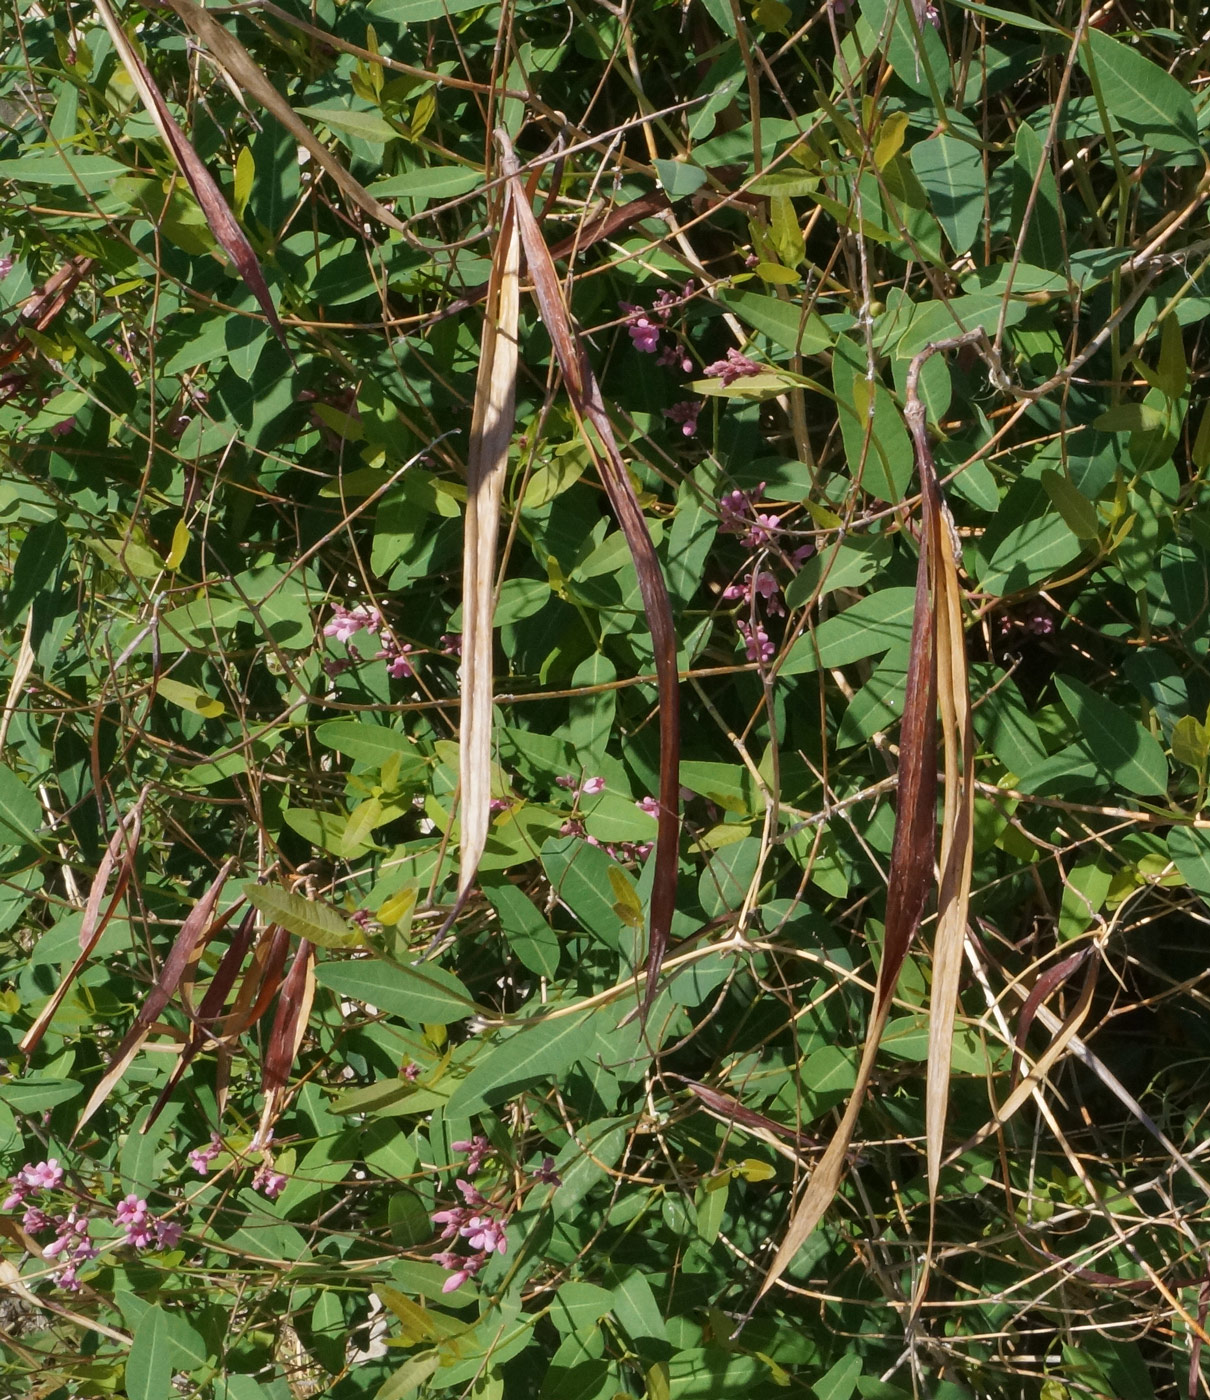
x=185 y=500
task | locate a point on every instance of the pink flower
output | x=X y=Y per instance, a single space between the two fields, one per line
x=140 y=1233
x=17 y=1195
x=485 y=1233
x=398 y=667
x=45 y=1176
x=167 y=1234
x=591 y=786
x=412 y=1073
x=546 y=1173
x=476 y=1150
x=650 y=805
x=455 y=1281
x=756 y=642
x=642 y=329
x=131 y=1210
x=735 y=366
x=470 y=1194
x=686 y=414
x=674 y=357
x=347 y=622
x=35 y=1220
x=201 y=1157
x=269 y=1182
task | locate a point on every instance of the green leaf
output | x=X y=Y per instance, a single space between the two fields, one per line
x=372 y=744
x=1027 y=541
x=636 y=1309
x=41 y=552
x=1189 y=847
x=416 y=11
x=579 y=876
x=1190 y=742
x=438 y=183
x=1129 y=417
x=679 y=178
x=1119 y=745
x=1078 y=512
x=92 y=173
x=839 y=565
x=163 y=1343
x=868 y=628
x=190 y=698
x=548 y=1047
x=786 y=323
x=528 y=934
x=840 y=1382
x=951 y=172
x=1139 y=92
x=307 y=918
x=21 y=816
x=366 y=126
x=424 y=994
x=916 y=51
x=34 y=1095
x=877 y=447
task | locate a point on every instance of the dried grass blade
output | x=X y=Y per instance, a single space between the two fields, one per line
x=491 y=431
x=195 y=929
x=958 y=815
x=289 y=1027
x=120 y=851
x=586 y=400
x=222 y=221
x=244 y=71
x=1041 y=1067
x=910 y=878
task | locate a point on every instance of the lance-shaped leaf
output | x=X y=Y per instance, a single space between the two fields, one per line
x=487 y=461
x=208 y=1012
x=289 y=1027
x=909 y=879
x=120 y=852
x=730 y=1111
x=40 y=309
x=187 y=946
x=208 y=195
x=243 y=70
x=1051 y=979
x=958 y=815
x=589 y=407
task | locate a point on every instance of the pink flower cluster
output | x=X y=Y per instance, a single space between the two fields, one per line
x=762 y=584
x=644 y=329
x=346 y=623
x=735 y=366
x=644 y=326
x=265 y=1179
x=72 y=1246
x=738 y=516
x=621 y=851
x=143 y=1230
x=478 y=1222
x=201 y=1157
x=269 y=1182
